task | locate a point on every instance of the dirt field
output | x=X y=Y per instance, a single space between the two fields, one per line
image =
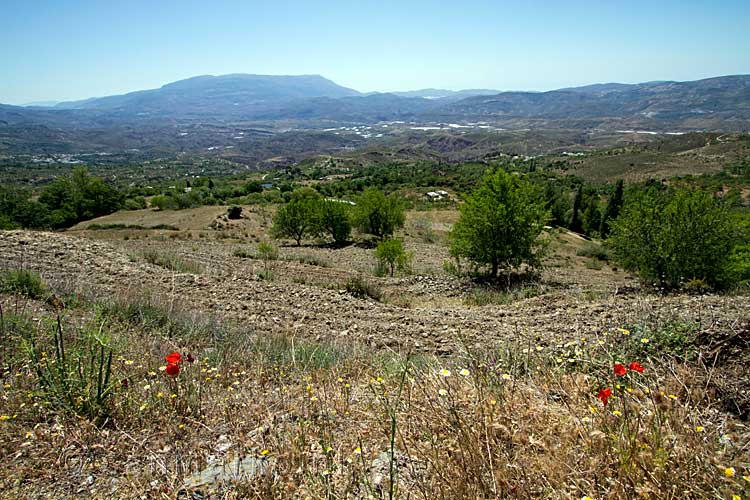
x=293 y=387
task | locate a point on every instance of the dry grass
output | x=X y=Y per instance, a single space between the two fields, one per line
x=513 y=421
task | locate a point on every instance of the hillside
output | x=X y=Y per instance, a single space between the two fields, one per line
x=289 y=384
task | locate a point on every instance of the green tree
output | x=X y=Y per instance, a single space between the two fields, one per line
x=334 y=220
x=253 y=187
x=378 y=214
x=391 y=255
x=592 y=216
x=17 y=210
x=556 y=202
x=499 y=224
x=671 y=239
x=576 y=223
x=79 y=196
x=612 y=210
x=300 y=217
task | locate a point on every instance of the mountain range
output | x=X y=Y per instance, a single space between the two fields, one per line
x=311 y=102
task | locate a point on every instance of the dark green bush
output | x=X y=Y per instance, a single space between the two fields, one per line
x=234 y=212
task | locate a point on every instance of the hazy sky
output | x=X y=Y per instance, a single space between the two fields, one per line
x=73 y=49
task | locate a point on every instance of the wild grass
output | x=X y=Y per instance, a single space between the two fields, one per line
x=22 y=282
x=595 y=251
x=172 y=262
x=333 y=419
x=362 y=288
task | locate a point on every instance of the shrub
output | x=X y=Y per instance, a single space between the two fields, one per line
x=310 y=260
x=391 y=254
x=423 y=227
x=172 y=262
x=361 y=288
x=669 y=240
x=23 y=282
x=164 y=202
x=598 y=252
x=738 y=266
x=234 y=212
x=137 y=203
x=267 y=252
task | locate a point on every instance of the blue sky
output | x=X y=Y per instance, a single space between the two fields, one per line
x=73 y=49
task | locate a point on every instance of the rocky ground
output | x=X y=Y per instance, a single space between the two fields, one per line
x=424 y=311
x=241 y=422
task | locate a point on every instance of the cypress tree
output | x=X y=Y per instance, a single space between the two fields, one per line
x=612 y=210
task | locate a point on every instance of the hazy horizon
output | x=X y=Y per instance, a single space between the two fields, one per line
x=82 y=49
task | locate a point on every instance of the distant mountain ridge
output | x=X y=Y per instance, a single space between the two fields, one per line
x=690 y=105
x=721 y=98
x=312 y=102
x=443 y=94
x=216 y=95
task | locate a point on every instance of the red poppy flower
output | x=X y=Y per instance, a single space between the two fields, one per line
x=604 y=395
x=620 y=369
x=636 y=367
x=174 y=358
x=173 y=369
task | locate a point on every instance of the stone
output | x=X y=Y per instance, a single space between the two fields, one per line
x=213 y=477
